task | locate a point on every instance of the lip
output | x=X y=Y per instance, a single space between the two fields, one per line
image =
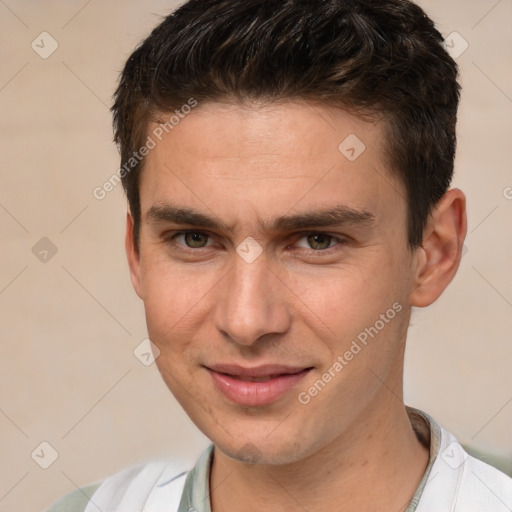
x=236 y=383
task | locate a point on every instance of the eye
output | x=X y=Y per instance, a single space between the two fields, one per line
x=315 y=242
x=319 y=241
x=192 y=239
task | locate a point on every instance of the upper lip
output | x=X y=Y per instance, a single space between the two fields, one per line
x=265 y=370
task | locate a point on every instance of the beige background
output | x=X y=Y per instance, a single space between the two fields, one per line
x=69 y=325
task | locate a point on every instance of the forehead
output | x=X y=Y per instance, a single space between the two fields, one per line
x=286 y=129
x=269 y=158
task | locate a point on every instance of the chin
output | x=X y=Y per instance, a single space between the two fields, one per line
x=253 y=447
x=253 y=435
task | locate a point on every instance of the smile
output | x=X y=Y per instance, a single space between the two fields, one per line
x=258 y=386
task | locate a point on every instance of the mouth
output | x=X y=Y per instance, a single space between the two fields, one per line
x=256 y=379
x=256 y=386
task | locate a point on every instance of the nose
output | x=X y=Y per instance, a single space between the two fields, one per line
x=252 y=302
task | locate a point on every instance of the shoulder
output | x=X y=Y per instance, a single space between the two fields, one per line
x=135 y=484
x=464 y=483
x=75 y=501
x=485 y=486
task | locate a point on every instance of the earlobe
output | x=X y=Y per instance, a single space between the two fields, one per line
x=133 y=256
x=439 y=257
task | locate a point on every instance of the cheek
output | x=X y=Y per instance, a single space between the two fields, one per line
x=177 y=302
x=171 y=291
x=345 y=300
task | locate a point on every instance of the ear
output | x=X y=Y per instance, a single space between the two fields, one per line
x=439 y=256
x=133 y=256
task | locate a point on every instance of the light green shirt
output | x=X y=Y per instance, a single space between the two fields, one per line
x=196 y=497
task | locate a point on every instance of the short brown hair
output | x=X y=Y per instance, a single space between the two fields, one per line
x=383 y=57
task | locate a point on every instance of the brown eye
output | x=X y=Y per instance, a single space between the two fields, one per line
x=317 y=241
x=195 y=240
x=192 y=239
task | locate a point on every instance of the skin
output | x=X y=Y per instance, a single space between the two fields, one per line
x=298 y=303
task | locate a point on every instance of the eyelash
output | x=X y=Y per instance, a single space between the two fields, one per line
x=170 y=238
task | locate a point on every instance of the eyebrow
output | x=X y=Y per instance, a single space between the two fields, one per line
x=338 y=216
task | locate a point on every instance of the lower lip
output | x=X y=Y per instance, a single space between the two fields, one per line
x=249 y=393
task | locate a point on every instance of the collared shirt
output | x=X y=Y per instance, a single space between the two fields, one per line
x=453 y=482
x=196 y=496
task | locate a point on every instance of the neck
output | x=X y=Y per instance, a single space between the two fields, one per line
x=374 y=466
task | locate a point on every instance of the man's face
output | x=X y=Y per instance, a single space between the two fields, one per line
x=252 y=307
